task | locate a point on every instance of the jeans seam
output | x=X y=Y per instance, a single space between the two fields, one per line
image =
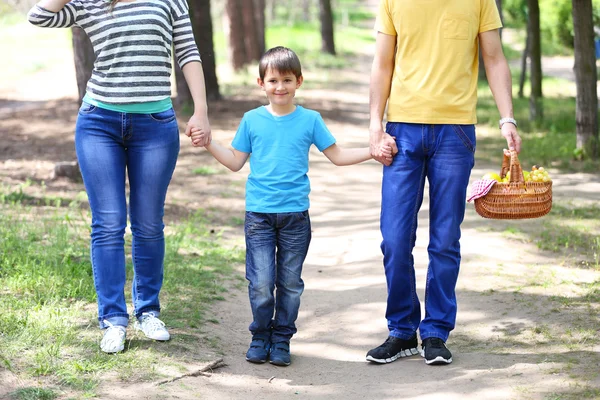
x=413 y=239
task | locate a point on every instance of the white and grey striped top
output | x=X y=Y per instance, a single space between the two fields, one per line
x=132 y=44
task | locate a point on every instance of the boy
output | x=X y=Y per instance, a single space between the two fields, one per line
x=277 y=225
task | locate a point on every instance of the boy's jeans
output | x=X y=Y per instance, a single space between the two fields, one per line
x=444 y=154
x=276 y=246
x=110 y=144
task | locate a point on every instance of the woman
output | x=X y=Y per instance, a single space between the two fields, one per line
x=126 y=125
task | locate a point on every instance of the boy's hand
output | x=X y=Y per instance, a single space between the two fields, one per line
x=198 y=138
x=379 y=140
x=201 y=126
x=387 y=151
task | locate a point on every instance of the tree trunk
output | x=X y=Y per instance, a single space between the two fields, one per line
x=203 y=35
x=524 y=60
x=83 y=55
x=259 y=20
x=586 y=114
x=235 y=23
x=253 y=52
x=327 y=41
x=481 y=72
x=536 y=110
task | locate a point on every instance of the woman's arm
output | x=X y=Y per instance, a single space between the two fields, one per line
x=53 y=14
x=194 y=76
x=340 y=156
x=53 y=5
x=231 y=158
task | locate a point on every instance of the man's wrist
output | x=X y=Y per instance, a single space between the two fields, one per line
x=506 y=120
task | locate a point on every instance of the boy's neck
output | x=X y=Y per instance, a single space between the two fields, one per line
x=280 y=111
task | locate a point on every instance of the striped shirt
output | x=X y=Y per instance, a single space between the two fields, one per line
x=132 y=44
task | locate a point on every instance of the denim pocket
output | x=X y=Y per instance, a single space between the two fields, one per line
x=455 y=26
x=87 y=108
x=466 y=133
x=163 y=116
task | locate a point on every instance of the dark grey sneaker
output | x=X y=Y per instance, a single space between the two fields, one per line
x=435 y=352
x=392 y=349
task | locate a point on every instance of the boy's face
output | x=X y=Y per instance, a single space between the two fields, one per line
x=280 y=88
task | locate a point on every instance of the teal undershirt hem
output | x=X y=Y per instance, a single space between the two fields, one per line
x=149 y=107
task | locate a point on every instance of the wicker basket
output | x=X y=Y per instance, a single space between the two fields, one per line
x=515 y=199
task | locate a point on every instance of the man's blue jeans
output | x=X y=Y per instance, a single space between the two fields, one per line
x=444 y=154
x=109 y=145
x=276 y=246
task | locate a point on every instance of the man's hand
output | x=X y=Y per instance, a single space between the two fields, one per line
x=201 y=129
x=380 y=144
x=513 y=140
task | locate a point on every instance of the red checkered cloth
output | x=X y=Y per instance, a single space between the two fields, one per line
x=480 y=188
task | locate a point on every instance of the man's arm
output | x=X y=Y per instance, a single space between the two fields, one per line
x=500 y=81
x=379 y=91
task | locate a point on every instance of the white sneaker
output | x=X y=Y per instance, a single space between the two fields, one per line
x=152 y=327
x=113 y=340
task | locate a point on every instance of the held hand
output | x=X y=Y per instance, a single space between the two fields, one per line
x=198 y=129
x=198 y=137
x=513 y=140
x=383 y=146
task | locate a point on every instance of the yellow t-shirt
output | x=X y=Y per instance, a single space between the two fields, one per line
x=437 y=57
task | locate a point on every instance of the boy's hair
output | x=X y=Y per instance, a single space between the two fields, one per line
x=280 y=59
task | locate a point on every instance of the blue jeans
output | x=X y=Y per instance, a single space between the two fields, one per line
x=444 y=154
x=109 y=145
x=276 y=246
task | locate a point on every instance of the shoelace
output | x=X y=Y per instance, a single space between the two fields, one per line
x=151 y=323
x=111 y=337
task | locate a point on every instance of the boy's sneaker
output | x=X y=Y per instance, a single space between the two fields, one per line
x=280 y=354
x=258 y=350
x=392 y=349
x=435 y=352
x=152 y=327
x=113 y=340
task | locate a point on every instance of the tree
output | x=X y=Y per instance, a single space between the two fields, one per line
x=327 y=41
x=245 y=27
x=586 y=114
x=203 y=35
x=234 y=23
x=84 y=57
x=536 y=110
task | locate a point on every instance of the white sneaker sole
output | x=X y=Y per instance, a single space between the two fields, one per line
x=439 y=360
x=404 y=353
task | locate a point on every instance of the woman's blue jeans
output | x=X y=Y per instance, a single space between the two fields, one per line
x=109 y=146
x=276 y=246
x=444 y=154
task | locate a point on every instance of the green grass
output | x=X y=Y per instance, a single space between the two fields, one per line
x=48 y=320
x=205 y=170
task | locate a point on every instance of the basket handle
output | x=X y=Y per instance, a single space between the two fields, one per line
x=511 y=163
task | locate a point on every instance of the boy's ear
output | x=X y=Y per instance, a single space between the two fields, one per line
x=261 y=83
x=299 y=81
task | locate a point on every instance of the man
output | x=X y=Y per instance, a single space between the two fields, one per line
x=425 y=69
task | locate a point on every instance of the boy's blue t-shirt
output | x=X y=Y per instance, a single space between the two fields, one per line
x=279 y=146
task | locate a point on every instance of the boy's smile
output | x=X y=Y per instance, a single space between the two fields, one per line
x=280 y=89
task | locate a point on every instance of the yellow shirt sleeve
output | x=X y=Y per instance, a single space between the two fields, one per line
x=384 y=22
x=490 y=17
